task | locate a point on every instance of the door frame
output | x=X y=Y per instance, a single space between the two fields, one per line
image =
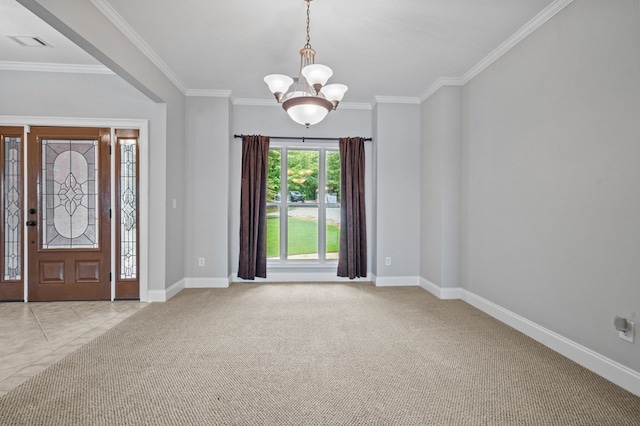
x=142 y=126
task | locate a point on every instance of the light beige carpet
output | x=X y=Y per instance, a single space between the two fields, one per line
x=315 y=354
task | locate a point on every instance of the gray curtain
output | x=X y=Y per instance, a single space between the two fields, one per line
x=253 y=207
x=352 y=256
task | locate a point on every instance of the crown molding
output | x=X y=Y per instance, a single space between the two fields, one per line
x=273 y=103
x=49 y=67
x=117 y=20
x=209 y=93
x=256 y=102
x=355 y=105
x=441 y=82
x=396 y=100
x=535 y=23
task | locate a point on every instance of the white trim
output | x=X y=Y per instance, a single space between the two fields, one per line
x=211 y=93
x=439 y=83
x=117 y=20
x=256 y=102
x=397 y=281
x=143 y=126
x=412 y=100
x=271 y=102
x=10 y=120
x=440 y=292
x=50 y=67
x=206 y=283
x=355 y=105
x=164 y=295
x=535 y=23
x=25 y=201
x=295 y=276
x=611 y=370
x=145 y=212
x=114 y=237
x=156 y=296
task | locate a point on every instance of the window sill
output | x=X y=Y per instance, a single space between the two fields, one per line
x=290 y=265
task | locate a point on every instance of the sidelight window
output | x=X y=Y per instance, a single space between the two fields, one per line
x=127 y=214
x=12 y=208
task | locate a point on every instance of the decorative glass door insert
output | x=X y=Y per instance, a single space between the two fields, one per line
x=69 y=194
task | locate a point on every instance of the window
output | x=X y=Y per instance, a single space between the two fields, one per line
x=127 y=200
x=303 y=204
x=12 y=207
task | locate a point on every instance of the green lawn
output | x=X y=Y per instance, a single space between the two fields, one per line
x=303 y=237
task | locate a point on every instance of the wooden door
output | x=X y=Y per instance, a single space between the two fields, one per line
x=68 y=214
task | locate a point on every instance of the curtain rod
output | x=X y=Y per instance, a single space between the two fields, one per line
x=302 y=138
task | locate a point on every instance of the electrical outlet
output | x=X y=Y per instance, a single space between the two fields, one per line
x=201 y=261
x=387 y=261
x=627 y=335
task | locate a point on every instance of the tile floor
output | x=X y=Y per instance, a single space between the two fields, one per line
x=35 y=335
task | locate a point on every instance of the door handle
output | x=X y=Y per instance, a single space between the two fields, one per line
x=32 y=223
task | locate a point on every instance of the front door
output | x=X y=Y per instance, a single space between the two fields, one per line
x=68 y=213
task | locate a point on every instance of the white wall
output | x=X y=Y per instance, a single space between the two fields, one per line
x=551 y=161
x=441 y=133
x=397 y=195
x=207 y=190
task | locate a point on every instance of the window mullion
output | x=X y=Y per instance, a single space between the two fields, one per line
x=284 y=203
x=322 y=216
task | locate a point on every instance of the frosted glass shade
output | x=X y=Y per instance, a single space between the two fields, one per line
x=334 y=92
x=307 y=110
x=317 y=74
x=278 y=83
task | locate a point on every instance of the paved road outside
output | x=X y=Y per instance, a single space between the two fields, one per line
x=333 y=213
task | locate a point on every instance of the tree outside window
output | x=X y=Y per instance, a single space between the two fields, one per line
x=303 y=207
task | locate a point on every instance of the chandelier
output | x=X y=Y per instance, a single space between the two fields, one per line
x=312 y=98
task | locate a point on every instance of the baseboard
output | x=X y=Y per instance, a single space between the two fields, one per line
x=296 y=276
x=440 y=292
x=206 y=283
x=164 y=295
x=397 y=281
x=611 y=370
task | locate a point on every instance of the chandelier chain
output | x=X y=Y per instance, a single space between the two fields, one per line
x=308 y=45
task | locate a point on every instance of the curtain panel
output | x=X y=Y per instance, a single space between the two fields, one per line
x=253 y=207
x=352 y=254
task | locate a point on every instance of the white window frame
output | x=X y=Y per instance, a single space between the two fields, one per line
x=283 y=205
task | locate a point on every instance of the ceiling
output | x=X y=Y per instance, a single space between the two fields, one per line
x=379 y=48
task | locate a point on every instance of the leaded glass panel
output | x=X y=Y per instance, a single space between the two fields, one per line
x=69 y=194
x=11 y=192
x=128 y=209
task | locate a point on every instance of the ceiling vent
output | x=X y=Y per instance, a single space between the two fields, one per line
x=29 y=41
